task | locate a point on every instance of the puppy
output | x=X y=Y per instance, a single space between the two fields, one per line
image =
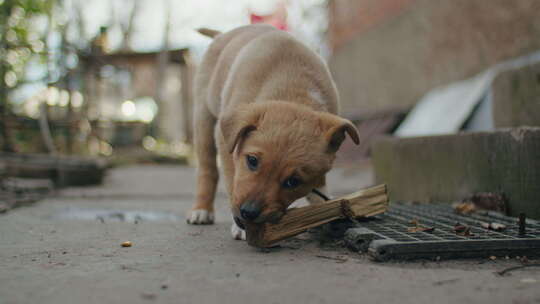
x=268 y=106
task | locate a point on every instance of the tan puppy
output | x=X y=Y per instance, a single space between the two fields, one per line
x=269 y=105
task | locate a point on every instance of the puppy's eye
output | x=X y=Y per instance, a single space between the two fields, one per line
x=252 y=162
x=291 y=182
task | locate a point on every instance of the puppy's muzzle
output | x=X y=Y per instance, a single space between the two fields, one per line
x=250 y=210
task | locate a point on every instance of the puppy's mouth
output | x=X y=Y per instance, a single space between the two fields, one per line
x=273 y=218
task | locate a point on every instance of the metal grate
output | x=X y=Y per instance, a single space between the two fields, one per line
x=387 y=236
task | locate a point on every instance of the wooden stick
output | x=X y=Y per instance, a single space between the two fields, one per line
x=367 y=202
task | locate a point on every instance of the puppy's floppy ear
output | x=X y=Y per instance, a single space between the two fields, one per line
x=336 y=134
x=235 y=127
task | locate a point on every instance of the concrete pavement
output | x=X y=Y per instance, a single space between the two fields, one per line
x=66 y=249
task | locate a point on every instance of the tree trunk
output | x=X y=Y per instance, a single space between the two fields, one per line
x=7 y=145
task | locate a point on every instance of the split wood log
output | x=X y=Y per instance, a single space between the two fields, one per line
x=364 y=203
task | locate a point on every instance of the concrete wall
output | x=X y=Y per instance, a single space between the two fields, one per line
x=453 y=167
x=348 y=18
x=516 y=98
x=414 y=46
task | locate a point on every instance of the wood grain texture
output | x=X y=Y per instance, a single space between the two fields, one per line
x=367 y=202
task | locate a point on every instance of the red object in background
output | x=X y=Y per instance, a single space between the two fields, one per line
x=278 y=19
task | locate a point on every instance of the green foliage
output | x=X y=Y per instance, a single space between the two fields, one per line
x=21 y=39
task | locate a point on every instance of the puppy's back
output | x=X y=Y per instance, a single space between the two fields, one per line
x=258 y=62
x=217 y=60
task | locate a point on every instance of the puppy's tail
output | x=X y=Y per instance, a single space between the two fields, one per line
x=208 y=32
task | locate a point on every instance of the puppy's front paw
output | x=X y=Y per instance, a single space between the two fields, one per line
x=238 y=233
x=200 y=217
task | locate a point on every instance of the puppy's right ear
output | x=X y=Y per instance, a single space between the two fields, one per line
x=236 y=126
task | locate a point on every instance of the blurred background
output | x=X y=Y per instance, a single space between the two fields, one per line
x=112 y=79
x=94 y=77
x=96 y=105
x=99 y=77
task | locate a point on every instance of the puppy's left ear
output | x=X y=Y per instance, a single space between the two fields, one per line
x=336 y=133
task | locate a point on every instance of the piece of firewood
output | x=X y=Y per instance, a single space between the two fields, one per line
x=367 y=202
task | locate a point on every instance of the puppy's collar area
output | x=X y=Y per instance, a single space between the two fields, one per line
x=240 y=224
x=322 y=195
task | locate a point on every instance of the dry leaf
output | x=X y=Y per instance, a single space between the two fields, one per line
x=413 y=229
x=429 y=229
x=462 y=230
x=421 y=229
x=464 y=208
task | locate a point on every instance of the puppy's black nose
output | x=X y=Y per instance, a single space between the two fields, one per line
x=250 y=210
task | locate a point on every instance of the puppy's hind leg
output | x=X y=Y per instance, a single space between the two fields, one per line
x=202 y=211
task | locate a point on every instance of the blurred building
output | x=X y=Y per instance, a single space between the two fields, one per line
x=137 y=89
x=389 y=53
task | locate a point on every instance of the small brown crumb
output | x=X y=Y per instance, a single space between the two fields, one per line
x=493 y=258
x=127 y=244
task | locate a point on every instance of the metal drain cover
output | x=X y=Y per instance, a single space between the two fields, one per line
x=389 y=237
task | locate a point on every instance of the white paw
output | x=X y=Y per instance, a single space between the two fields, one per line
x=200 y=217
x=238 y=233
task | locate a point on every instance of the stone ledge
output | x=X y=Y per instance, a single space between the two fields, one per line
x=449 y=168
